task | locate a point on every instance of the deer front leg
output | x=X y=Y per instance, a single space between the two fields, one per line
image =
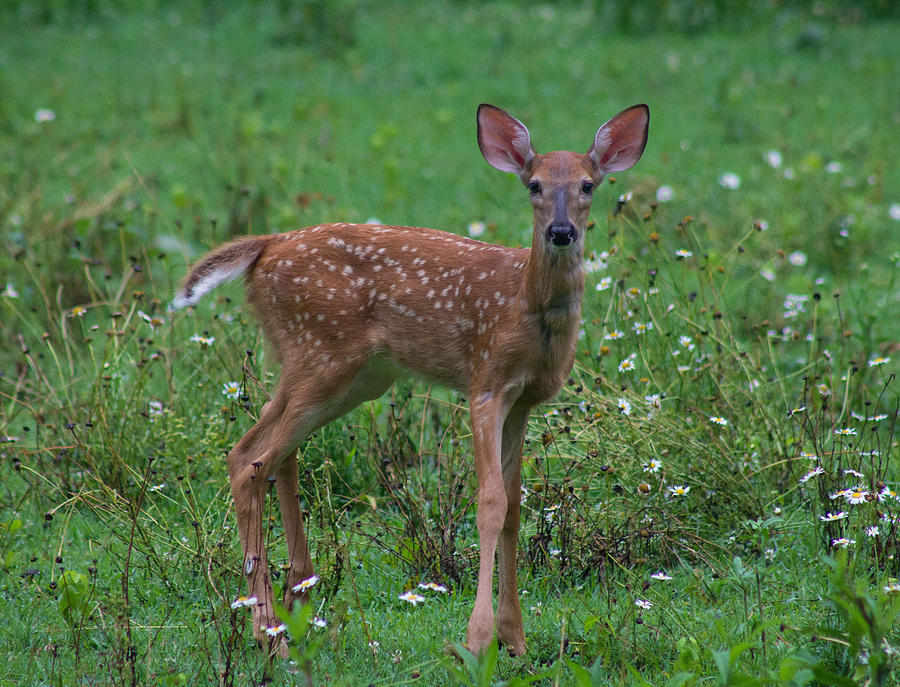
x=486 y=429
x=509 y=615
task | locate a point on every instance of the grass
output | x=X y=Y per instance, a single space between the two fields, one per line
x=176 y=126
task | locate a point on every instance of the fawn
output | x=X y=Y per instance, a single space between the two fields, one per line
x=349 y=308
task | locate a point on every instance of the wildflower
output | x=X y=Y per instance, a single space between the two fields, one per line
x=773 y=157
x=834 y=167
x=818 y=470
x=892 y=588
x=244 y=602
x=682 y=253
x=604 y=284
x=44 y=115
x=894 y=211
x=633 y=292
x=855 y=473
x=846 y=432
x=683 y=368
x=624 y=406
x=642 y=327
x=77 y=311
x=10 y=291
x=596 y=263
x=653 y=466
x=277 y=630
x=433 y=586
x=872 y=531
x=303 y=585
x=625 y=197
x=842 y=542
x=855 y=496
x=664 y=194
x=677 y=490
x=643 y=604
x=838 y=494
x=715 y=419
x=831 y=517
x=203 y=340
x=730 y=180
x=231 y=390
x=373 y=645
x=823 y=389
x=654 y=401
x=627 y=365
x=660 y=576
x=686 y=342
x=878 y=361
x=154 y=409
x=767 y=274
x=614 y=335
x=476 y=229
x=411 y=597
x=797 y=258
x=152 y=321
x=886 y=493
x=795 y=411
x=318 y=622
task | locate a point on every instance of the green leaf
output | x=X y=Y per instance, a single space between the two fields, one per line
x=582 y=676
x=679 y=679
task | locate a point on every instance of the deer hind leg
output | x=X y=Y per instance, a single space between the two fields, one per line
x=300 y=565
x=509 y=615
x=254 y=460
x=267 y=452
x=302 y=402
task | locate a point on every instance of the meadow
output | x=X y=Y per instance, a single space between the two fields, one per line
x=712 y=499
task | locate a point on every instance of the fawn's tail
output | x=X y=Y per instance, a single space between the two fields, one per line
x=220 y=265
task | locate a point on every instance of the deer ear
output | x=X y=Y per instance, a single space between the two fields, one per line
x=619 y=143
x=504 y=140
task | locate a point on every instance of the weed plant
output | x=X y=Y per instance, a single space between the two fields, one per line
x=711 y=498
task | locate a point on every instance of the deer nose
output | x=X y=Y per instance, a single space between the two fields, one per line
x=562 y=234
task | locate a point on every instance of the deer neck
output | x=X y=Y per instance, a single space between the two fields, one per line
x=554 y=283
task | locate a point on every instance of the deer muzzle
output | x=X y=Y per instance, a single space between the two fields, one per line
x=562 y=234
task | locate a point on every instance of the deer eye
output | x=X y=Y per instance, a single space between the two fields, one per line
x=534 y=188
x=587 y=188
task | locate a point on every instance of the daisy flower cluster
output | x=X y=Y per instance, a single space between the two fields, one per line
x=414 y=598
x=853 y=511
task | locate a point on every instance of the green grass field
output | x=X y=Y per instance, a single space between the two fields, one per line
x=710 y=500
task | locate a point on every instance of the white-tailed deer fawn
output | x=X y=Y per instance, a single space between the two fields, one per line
x=350 y=308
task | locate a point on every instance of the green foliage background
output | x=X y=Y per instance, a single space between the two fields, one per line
x=134 y=136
